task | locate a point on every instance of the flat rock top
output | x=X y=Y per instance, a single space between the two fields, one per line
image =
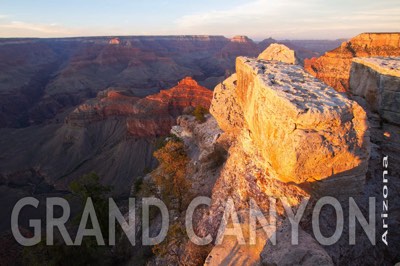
x=384 y=65
x=303 y=91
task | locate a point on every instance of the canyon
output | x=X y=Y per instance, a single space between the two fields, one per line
x=275 y=129
x=66 y=101
x=41 y=78
x=284 y=134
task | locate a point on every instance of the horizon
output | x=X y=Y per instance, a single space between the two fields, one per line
x=257 y=19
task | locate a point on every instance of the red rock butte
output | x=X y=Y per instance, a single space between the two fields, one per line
x=151 y=116
x=114 y=41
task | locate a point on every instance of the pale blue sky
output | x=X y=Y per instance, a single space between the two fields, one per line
x=258 y=19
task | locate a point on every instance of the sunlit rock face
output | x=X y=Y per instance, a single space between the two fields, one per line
x=304 y=130
x=241 y=38
x=377 y=79
x=334 y=67
x=114 y=41
x=279 y=52
x=286 y=134
x=151 y=116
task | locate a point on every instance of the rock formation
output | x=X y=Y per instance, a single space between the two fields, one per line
x=151 y=116
x=378 y=81
x=334 y=67
x=307 y=253
x=286 y=134
x=241 y=39
x=279 y=52
x=114 y=41
x=322 y=134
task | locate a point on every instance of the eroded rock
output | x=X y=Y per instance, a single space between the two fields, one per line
x=279 y=52
x=307 y=253
x=334 y=67
x=304 y=130
x=378 y=81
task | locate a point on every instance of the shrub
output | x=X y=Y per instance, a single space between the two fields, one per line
x=199 y=113
x=171 y=179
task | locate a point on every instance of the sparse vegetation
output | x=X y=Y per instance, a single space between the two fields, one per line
x=162 y=141
x=175 y=189
x=199 y=113
x=171 y=177
x=89 y=253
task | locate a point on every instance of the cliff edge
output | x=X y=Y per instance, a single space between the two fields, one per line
x=334 y=66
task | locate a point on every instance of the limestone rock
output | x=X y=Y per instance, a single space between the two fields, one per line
x=279 y=52
x=378 y=81
x=334 y=67
x=305 y=130
x=307 y=253
x=225 y=108
x=230 y=252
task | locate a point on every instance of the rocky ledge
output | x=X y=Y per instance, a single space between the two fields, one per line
x=334 y=66
x=303 y=129
x=377 y=79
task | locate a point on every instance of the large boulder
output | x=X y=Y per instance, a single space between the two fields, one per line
x=279 y=52
x=303 y=129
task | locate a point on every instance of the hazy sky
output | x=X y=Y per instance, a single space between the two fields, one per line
x=258 y=19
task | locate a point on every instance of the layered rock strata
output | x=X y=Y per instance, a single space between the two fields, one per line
x=151 y=116
x=377 y=80
x=334 y=66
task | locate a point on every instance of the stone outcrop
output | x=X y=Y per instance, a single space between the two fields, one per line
x=378 y=81
x=304 y=130
x=225 y=106
x=334 y=67
x=307 y=253
x=279 y=52
x=151 y=116
x=287 y=135
x=114 y=41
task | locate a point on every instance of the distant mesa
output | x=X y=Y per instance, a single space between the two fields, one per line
x=114 y=41
x=279 y=52
x=241 y=39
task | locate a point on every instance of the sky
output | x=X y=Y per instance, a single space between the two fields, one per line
x=258 y=19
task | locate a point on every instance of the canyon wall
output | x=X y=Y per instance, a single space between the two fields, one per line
x=41 y=78
x=333 y=67
x=113 y=135
x=378 y=81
